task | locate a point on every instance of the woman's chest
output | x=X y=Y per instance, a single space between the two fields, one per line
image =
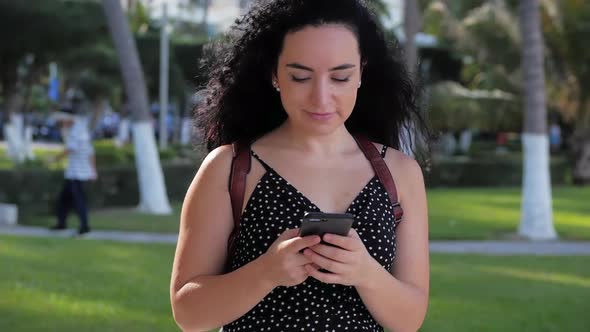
x=275 y=207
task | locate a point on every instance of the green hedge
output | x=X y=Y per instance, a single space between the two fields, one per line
x=35 y=190
x=106 y=153
x=488 y=173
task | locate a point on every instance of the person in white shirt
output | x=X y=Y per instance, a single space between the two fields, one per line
x=81 y=167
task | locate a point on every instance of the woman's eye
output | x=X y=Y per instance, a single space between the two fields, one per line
x=346 y=79
x=299 y=79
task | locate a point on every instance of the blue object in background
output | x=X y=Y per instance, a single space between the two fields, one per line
x=53 y=92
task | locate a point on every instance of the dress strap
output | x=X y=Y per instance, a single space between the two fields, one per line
x=383 y=151
x=240 y=167
x=382 y=172
x=265 y=165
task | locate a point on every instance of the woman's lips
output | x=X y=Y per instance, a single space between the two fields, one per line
x=321 y=116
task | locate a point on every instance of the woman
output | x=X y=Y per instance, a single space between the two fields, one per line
x=298 y=79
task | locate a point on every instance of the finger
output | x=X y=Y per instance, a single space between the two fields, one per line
x=311 y=266
x=331 y=252
x=329 y=278
x=300 y=243
x=323 y=262
x=300 y=260
x=289 y=234
x=345 y=242
x=314 y=265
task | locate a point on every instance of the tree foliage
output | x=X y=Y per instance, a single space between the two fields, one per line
x=45 y=29
x=566 y=27
x=487 y=40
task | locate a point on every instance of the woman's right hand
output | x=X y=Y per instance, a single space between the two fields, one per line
x=284 y=262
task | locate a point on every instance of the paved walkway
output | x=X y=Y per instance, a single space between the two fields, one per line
x=547 y=248
x=137 y=237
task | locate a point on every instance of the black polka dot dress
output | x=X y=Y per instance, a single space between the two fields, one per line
x=275 y=206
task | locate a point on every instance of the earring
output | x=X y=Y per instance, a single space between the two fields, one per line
x=360 y=82
x=276 y=86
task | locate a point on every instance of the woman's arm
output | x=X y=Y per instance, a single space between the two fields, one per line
x=399 y=300
x=202 y=299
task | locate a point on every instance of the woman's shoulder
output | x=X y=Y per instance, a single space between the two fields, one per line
x=217 y=162
x=397 y=158
x=220 y=154
x=405 y=170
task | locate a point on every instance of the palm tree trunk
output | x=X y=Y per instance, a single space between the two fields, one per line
x=581 y=153
x=18 y=133
x=536 y=220
x=411 y=28
x=206 y=7
x=500 y=3
x=153 y=197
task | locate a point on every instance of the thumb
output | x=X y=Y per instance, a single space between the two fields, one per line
x=301 y=243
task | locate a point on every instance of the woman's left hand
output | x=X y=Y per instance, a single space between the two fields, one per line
x=349 y=261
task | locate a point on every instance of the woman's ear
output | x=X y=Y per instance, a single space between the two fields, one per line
x=275 y=81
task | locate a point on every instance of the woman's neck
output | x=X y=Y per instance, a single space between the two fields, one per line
x=336 y=142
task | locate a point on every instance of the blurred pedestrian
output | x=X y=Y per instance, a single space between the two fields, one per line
x=81 y=167
x=555 y=137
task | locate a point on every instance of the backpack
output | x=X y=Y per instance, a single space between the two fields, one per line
x=242 y=163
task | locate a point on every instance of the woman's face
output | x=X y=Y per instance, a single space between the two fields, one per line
x=318 y=73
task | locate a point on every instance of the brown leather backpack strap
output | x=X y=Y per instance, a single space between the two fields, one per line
x=240 y=167
x=382 y=172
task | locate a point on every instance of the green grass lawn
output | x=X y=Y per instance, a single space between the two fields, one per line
x=122 y=219
x=51 y=284
x=454 y=214
x=488 y=293
x=76 y=285
x=492 y=213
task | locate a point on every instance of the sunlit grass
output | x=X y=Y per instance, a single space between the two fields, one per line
x=121 y=219
x=488 y=213
x=559 y=278
x=77 y=285
x=63 y=284
x=487 y=293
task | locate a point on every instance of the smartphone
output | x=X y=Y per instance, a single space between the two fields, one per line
x=319 y=223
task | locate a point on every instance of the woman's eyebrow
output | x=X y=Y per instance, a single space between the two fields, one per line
x=302 y=67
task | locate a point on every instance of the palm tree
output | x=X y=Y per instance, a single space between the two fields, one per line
x=206 y=7
x=536 y=222
x=411 y=28
x=153 y=197
x=412 y=23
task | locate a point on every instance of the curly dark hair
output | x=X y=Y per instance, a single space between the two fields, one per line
x=241 y=103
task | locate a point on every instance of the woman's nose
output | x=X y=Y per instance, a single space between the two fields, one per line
x=320 y=94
